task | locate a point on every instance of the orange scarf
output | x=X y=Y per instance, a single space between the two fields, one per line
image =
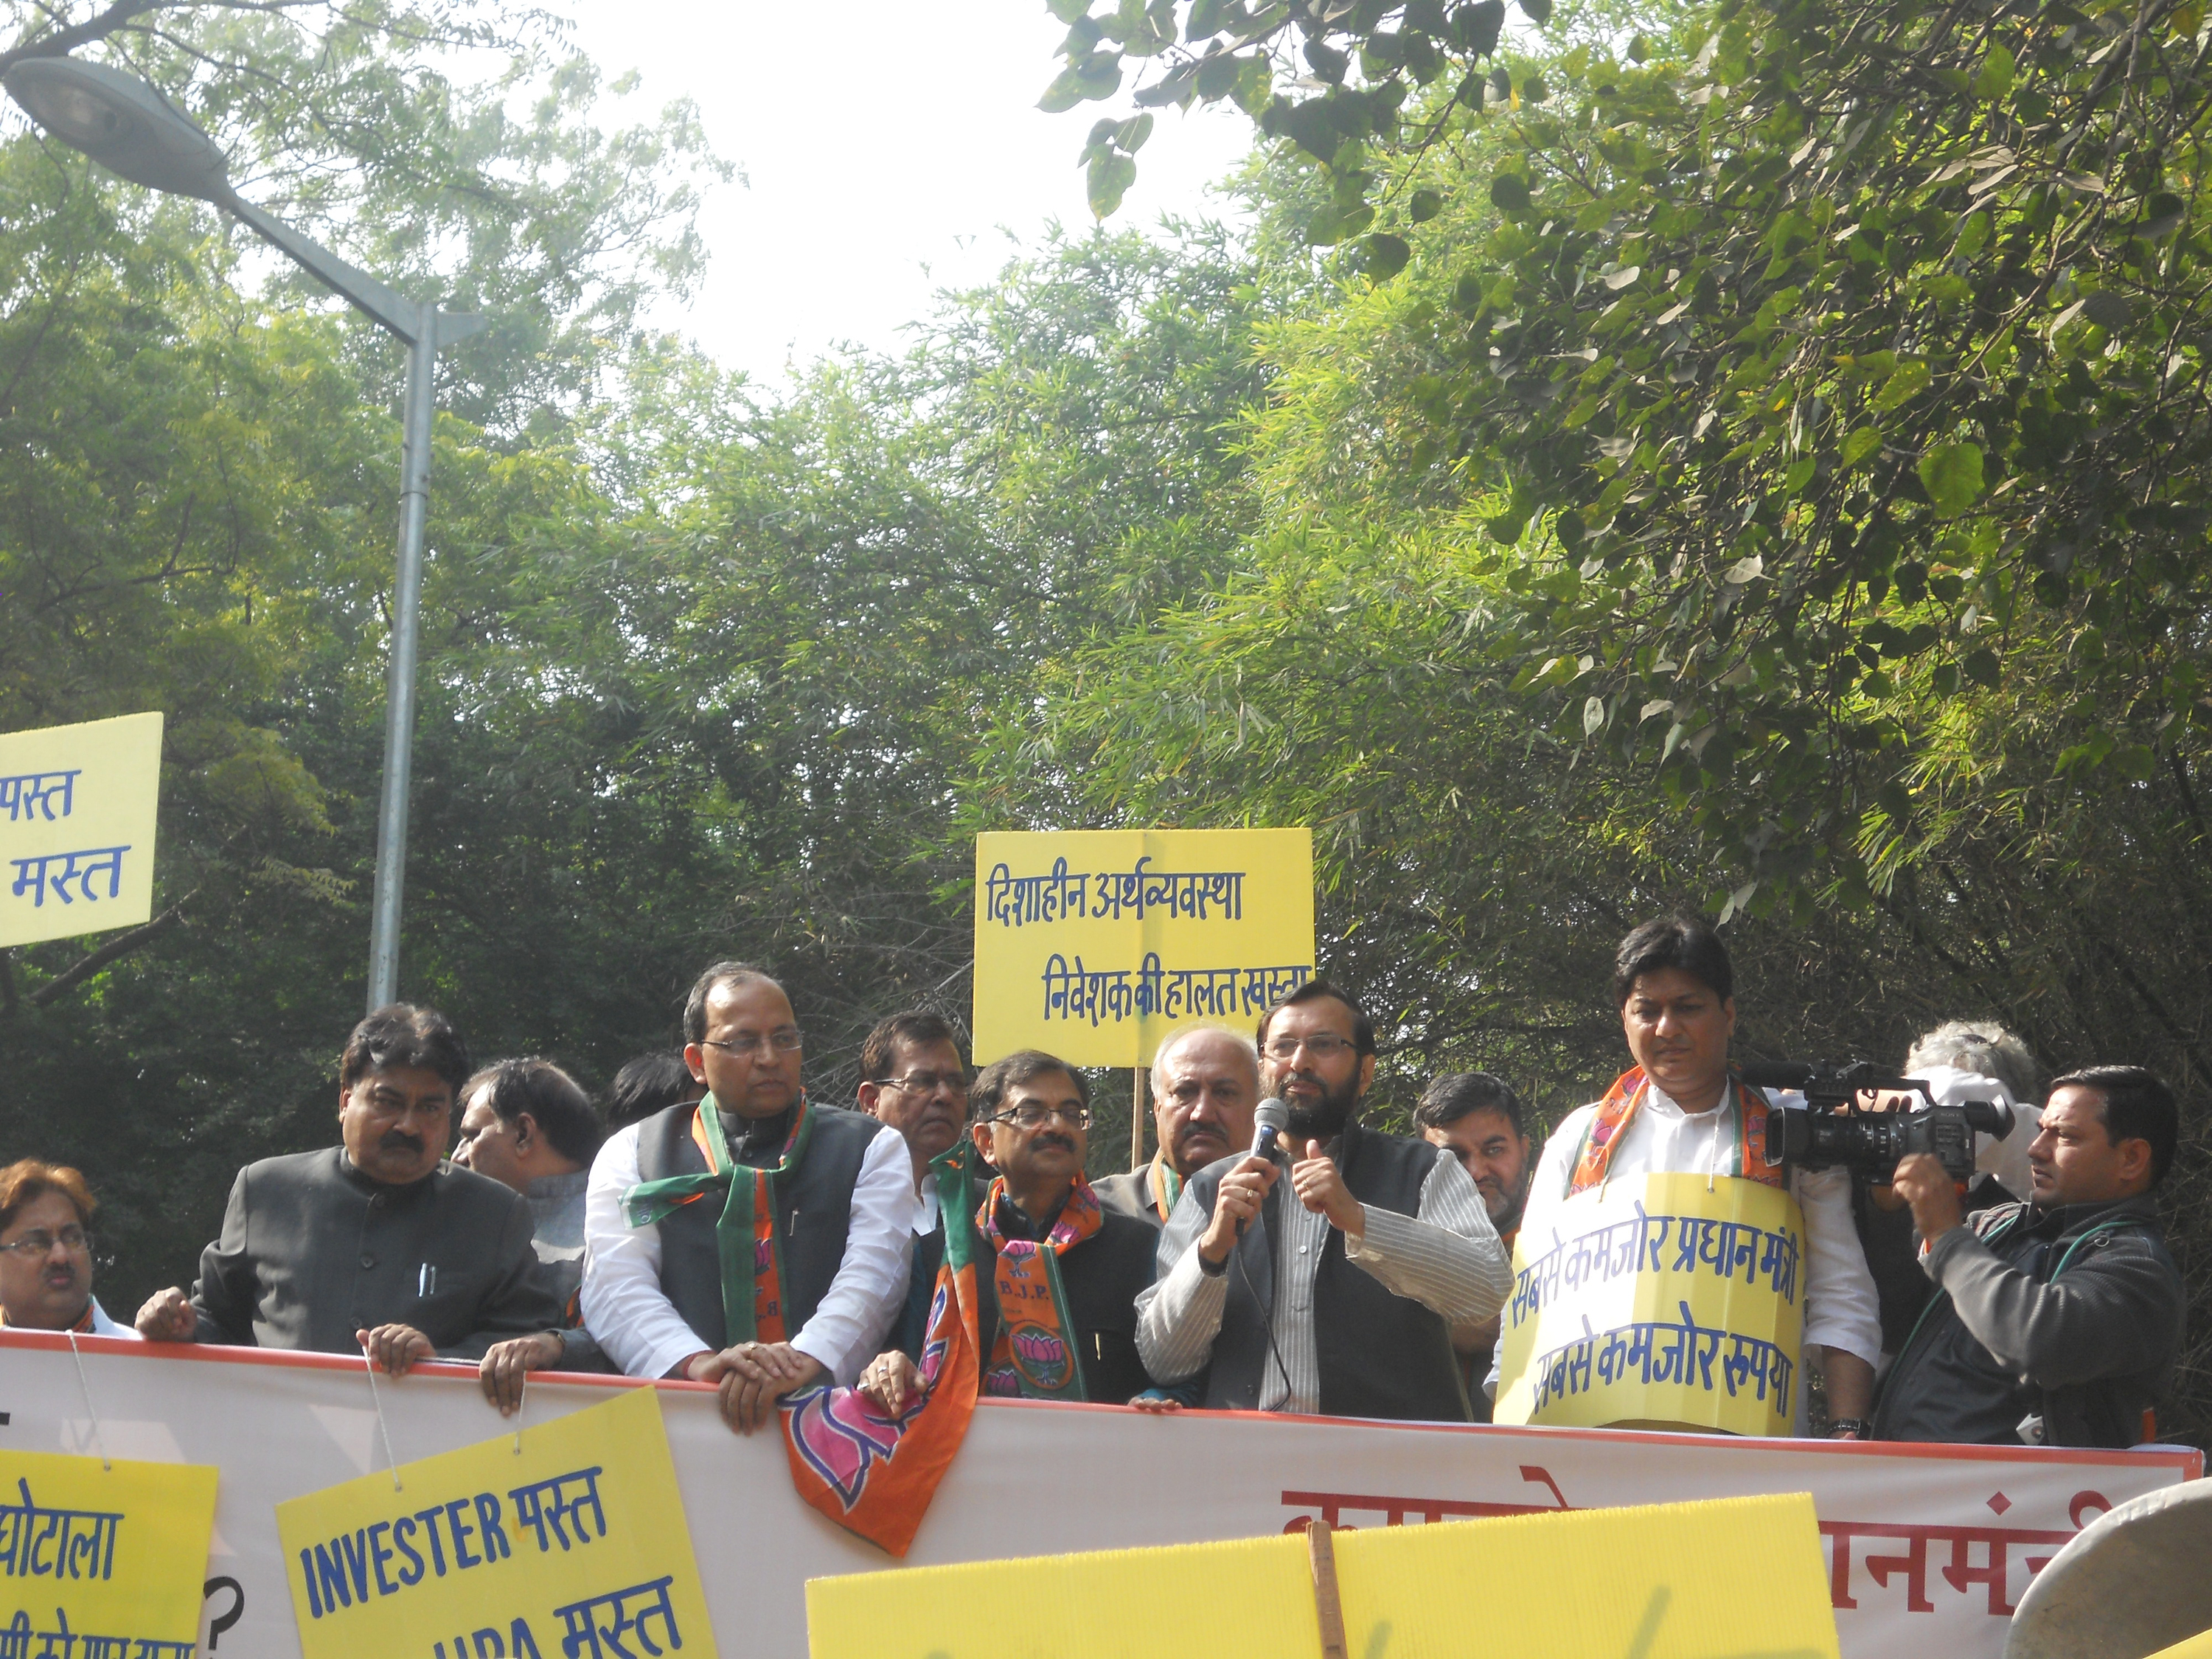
x=1617 y=1109
x=1036 y=1355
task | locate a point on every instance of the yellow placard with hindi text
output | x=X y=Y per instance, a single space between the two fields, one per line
x=1673 y=1301
x=102 y=1559
x=575 y=1544
x=1094 y=944
x=76 y=828
x=1584 y=1585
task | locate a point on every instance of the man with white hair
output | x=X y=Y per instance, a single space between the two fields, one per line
x=1961 y=1060
x=1205 y=1084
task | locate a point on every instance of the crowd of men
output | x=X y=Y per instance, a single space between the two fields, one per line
x=718 y=1226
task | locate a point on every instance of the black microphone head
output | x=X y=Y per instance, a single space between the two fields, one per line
x=1776 y=1073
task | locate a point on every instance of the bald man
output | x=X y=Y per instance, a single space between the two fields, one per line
x=1205 y=1083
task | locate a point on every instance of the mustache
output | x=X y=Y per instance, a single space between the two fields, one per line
x=1066 y=1143
x=396 y=1139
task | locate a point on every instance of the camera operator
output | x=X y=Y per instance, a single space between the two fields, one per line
x=1959 y=1060
x=2057 y=1322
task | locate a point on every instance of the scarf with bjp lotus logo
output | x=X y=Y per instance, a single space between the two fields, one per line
x=873 y=1474
x=1035 y=1356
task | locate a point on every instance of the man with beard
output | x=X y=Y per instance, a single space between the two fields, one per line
x=1057 y=1274
x=1206 y=1082
x=371 y=1244
x=1479 y=1118
x=1343 y=1288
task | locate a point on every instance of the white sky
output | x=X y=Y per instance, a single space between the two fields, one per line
x=889 y=146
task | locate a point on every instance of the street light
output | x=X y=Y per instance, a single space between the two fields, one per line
x=130 y=128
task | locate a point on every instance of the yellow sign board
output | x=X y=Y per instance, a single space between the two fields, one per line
x=1094 y=944
x=1674 y=1300
x=102 y=1560
x=76 y=828
x=1674 y=1581
x=575 y=1544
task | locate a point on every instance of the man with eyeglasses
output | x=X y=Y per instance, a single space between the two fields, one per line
x=753 y=1240
x=46 y=1253
x=1341 y=1284
x=375 y=1244
x=913 y=1079
x=1057 y=1274
x=1205 y=1083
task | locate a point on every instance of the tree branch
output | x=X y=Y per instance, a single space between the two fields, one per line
x=121 y=946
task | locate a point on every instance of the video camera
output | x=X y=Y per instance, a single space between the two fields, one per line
x=1832 y=1130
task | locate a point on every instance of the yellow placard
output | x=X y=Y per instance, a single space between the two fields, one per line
x=102 y=1560
x=575 y=1545
x=1094 y=944
x=1672 y=1581
x=1673 y=1301
x=76 y=828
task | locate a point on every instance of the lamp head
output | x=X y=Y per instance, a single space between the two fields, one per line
x=123 y=123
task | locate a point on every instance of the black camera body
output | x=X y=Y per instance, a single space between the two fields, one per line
x=1833 y=1131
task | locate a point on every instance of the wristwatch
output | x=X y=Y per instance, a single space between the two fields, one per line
x=1849 y=1428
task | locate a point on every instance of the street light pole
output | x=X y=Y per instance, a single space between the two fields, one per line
x=128 y=127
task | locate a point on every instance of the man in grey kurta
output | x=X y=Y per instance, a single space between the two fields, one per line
x=371 y=1244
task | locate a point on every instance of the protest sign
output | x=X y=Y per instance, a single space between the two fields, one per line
x=1674 y=1300
x=1093 y=944
x=104 y=1562
x=1592 y=1584
x=76 y=828
x=568 y=1538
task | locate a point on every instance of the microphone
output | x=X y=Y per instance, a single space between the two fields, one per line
x=1269 y=1118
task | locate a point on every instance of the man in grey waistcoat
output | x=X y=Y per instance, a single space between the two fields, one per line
x=370 y=1244
x=753 y=1239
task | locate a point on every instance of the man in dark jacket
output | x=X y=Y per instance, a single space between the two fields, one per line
x=2057 y=1322
x=1342 y=1288
x=370 y=1244
x=1057 y=1273
x=1206 y=1087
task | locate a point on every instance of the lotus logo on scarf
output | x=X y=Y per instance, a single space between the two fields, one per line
x=841 y=1436
x=1040 y=1357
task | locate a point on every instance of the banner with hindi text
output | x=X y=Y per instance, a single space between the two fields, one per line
x=1674 y=1300
x=1094 y=944
x=76 y=828
x=101 y=1562
x=568 y=1538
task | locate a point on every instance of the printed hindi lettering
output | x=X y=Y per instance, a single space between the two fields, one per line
x=1666 y=1351
x=582 y=1632
x=1075 y=993
x=552 y=1505
x=30 y=794
x=62 y=1643
x=1195 y=895
x=54 y=1543
x=1014 y=901
x=54 y=872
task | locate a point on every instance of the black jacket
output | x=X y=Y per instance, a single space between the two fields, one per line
x=2073 y=1314
x=312 y=1250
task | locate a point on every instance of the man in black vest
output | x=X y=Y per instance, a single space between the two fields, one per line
x=809 y=1205
x=1032 y=1128
x=1345 y=1296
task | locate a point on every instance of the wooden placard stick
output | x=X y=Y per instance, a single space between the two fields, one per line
x=1322 y=1554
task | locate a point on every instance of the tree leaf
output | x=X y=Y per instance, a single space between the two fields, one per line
x=1508 y=194
x=1952 y=474
x=1108 y=181
x=1860 y=445
x=1539 y=11
x=1425 y=206
x=1593 y=715
x=1386 y=255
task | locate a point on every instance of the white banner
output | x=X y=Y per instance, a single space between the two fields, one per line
x=1928 y=1547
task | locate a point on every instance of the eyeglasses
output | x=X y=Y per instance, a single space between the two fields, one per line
x=788 y=1041
x=924 y=1083
x=75 y=1240
x=1032 y=1115
x=1321 y=1046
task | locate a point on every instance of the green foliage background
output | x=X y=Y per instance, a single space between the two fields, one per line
x=1745 y=456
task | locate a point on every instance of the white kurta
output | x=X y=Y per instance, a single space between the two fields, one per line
x=1841 y=1308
